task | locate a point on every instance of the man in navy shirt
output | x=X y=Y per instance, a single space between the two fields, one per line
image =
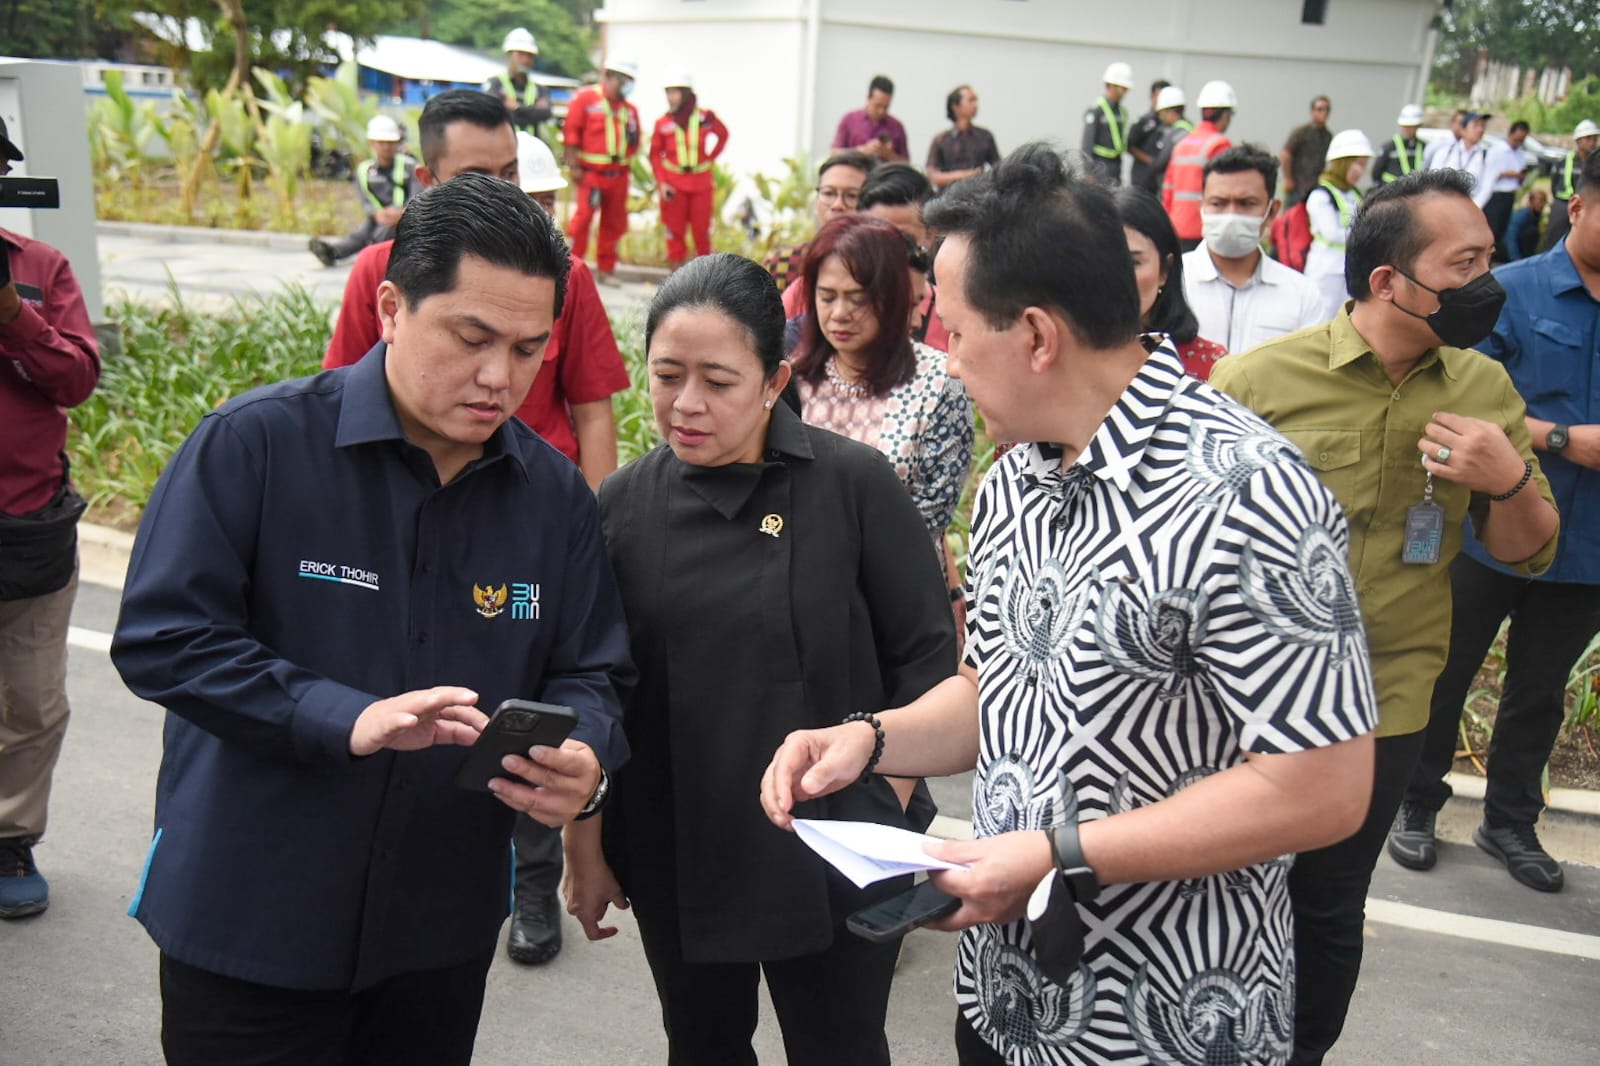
x=1547 y=337
x=333 y=580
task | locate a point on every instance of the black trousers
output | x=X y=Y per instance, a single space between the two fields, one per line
x=539 y=859
x=972 y=1049
x=369 y=232
x=831 y=1005
x=1551 y=625
x=1498 y=213
x=427 y=1018
x=1328 y=888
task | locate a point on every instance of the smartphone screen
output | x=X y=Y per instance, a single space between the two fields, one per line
x=901 y=913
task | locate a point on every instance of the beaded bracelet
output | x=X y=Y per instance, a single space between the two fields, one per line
x=1527 y=474
x=877 y=747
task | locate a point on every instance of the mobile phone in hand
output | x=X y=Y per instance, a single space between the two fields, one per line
x=892 y=918
x=517 y=725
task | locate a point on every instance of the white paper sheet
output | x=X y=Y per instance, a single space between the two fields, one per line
x=866 y=852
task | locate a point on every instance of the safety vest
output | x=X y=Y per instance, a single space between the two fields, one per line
x=530 y=91
x=1119 y=136
x=1185 y=179
x=688 y=149
x=1564 y=190
x=616 y=123
x=1184 y=124
x=1407 y=164
x=1346 y=214
x=397 y=178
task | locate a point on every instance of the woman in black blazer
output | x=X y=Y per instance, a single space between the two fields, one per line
x=775 y=577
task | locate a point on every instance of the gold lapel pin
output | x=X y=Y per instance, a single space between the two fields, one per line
x=772 y=525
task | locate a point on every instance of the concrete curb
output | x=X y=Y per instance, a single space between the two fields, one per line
x=103 y=560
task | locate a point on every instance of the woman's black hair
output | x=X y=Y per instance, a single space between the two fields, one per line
x=1170 y=314
x=737 y=288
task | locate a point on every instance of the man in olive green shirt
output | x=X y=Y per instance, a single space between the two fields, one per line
x=1413 y=434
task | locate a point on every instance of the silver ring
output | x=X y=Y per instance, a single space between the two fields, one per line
x=1443 y=454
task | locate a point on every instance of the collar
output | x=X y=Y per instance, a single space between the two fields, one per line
x=728 y=488
x=1346 y=345
x=367 y=414
x=13 y=239
x=1561 y=271
x=1118 y=446
x=1204 y=268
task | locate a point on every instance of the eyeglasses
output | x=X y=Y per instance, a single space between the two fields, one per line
x=827 y=194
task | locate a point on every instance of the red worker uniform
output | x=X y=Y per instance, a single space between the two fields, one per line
x=1185 y=179
x=605 y=134
x=681 y=154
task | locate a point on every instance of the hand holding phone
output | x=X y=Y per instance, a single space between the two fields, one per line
x=892 y=918
x=517 y=725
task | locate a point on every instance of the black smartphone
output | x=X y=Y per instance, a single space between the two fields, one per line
x=517 y=725
x=892 y=918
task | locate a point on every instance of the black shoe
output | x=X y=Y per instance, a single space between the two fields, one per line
x=23 y=890
x=1518 y=847
x=1411 y=841
x=535 y=936
x=323 y=251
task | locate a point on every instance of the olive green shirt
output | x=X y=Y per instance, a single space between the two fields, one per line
x=1326 y=391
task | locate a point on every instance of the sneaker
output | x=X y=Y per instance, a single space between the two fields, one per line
x=23 y=890
x=323 y=251
x=1518 y=847
x=535 y=935
x=1411 y=842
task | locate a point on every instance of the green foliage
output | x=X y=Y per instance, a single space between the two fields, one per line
x=60 y=29
x=1583 y=101
x=177 y=364
x=636 y=423
x=785 y=201
x=564 y=44
x=343 y=111
x=1550 y=33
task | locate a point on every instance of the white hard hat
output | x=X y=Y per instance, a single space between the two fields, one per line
x=1171 y=96
x=520 y=40
x=536 y=165
x=1410 y=115
x=1349 y=144
x=1119 y=74
x=1586 y=128
x=1216 y=94
x=623 y=65
x=679 y=78
x=383 y=128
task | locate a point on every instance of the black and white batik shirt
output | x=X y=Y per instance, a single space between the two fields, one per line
x=1177 y=597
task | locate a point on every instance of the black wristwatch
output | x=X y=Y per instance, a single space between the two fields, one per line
x=1069 y=860
x=1558 y=438
x=602 y=789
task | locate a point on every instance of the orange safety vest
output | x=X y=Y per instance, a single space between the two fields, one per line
x=1184 y=184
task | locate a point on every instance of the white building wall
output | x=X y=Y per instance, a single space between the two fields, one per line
x=1036 y=64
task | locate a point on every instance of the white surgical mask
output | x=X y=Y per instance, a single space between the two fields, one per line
x=1232 y=236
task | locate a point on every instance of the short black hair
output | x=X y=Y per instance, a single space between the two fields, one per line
x=1588 y=175
x=1159 y=84
x=1385 y=231
x=452 y=106
x=1170 y=314
x=1039 y=236
x=1320 y=99
x=1521 y=126
x=1243 y=157
x=952 y=101
x=880 y=84
x=734 y=287
x=848 y=158
x=895 y=185
x=480 y=216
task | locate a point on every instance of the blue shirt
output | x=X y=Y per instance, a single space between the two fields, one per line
x=1548 y=341
x=299 y=560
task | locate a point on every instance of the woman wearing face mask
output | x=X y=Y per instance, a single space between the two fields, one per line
x=1158 y=268
x=1331 y=207
x=775 y=577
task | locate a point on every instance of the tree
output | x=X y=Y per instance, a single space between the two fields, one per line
x=563 y=44
x=60 y=29
x=1530 y=33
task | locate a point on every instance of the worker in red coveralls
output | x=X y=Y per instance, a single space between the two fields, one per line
x=685 y=144
x=601 y=137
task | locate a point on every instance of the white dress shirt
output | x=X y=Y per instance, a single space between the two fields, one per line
x=1474 y=162
x=1276 y=300
x=1502 y=158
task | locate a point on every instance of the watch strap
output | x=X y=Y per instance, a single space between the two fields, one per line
x=1068 y=850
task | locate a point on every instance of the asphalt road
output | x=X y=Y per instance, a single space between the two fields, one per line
x=1464 y=966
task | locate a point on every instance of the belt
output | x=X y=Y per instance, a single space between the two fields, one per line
x=604 y=172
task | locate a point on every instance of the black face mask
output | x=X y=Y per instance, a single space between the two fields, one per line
x=1466 y=315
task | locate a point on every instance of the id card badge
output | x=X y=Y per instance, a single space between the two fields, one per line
x=1424 y=541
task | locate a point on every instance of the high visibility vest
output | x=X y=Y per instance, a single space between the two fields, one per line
x=1185 y=179
x=1119 y=136
x=1407 y=163
x=1346 y=215
x=1563 y=190
x=688 y=149
x=397 y=178
x=616 y=124
x=1184 y=124
x=530 y=91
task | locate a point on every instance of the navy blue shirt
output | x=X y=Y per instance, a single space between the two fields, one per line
x=1548 y=337
x=299 y=560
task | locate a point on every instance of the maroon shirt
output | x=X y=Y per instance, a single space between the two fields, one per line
x=49 y=361
x=857 y=128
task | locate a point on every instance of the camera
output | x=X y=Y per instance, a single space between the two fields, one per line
x=30 y=192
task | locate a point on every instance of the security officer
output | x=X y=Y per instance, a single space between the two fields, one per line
x=1175 y=126
x=601 y=137
x=683 y=147
x=1404 y=153
x=1562 y=182
x=1185 y=179
x=1145 y=138
x=1105 y=127
x=383 y=184
x=526 y=99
